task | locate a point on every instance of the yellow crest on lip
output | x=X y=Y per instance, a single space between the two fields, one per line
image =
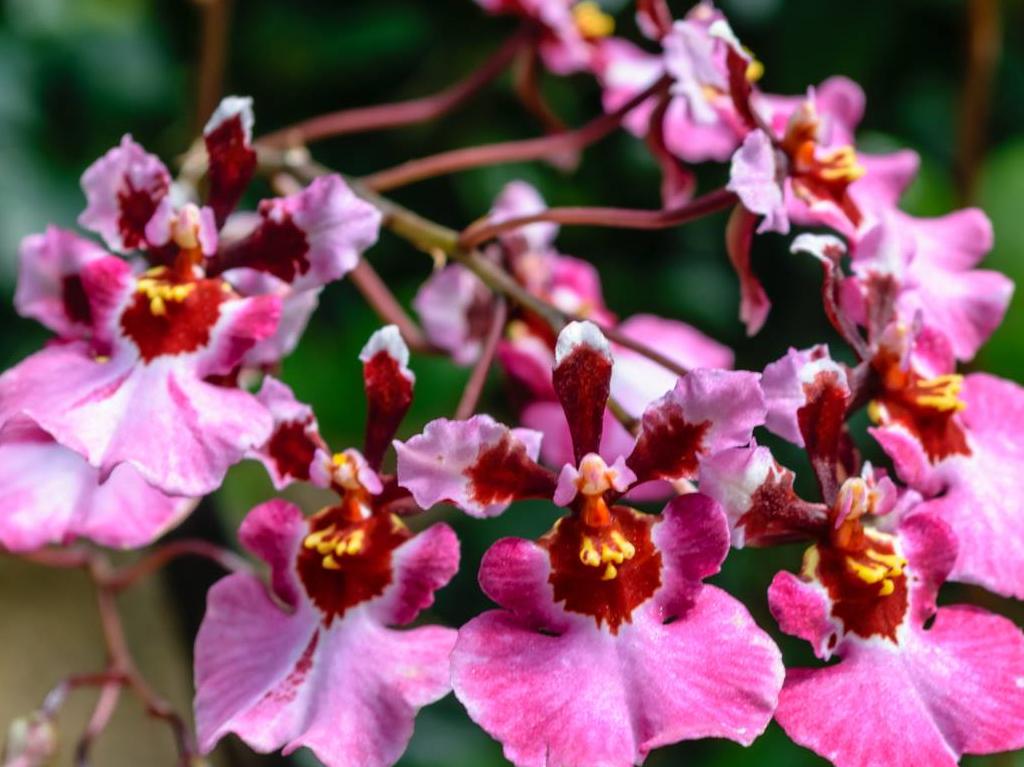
x=591 y=21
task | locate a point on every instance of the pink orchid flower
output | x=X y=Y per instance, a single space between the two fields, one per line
x=608 y=644
x=318 y=662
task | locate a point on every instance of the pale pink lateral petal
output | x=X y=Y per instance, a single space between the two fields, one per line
x=739 y=238
x=786 y=384
x=49 y=281
x=582 y=381
x=371 y=682
x=892 y=723
x=53 y=496
x=312 y=237
x=451 y=303
x=421 y=566
x=982 y=494
x=388 y=384
x=969 y=668
x=756 y=177
x=803 y=609
x=297 y=306
x=637 y=380
x=273 y=531
x=123 y=189
x=179 y=432
x=515 y=574
x=757 y=496
x=255 y=666
x=295 y=443
x=478 y=465
x=707 y=411
x=232 y=160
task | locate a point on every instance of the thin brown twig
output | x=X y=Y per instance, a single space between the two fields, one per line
x=380 y=298
x=410 y=112
x=616 y=218
x=164 y=555
x=527 y=84
x=475 y=385
x=213 y=45
x=505 y=152
x=106 y=704
x=983 y=49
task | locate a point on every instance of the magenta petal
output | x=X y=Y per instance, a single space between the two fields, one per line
x=803 y=610
x=514 y=573
x=273 y=531
x=49 y=283
x=53 y=496
x=479 y=465
x=583 y=697
x=693 y=538
x=422 y=565
x=123 y=189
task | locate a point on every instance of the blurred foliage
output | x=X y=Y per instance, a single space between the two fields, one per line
x=76 y=74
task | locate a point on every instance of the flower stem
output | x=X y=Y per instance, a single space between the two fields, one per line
x=616 y=218
x=379 y=296
x=508 y=151
x=475 y=386
x=401 y=113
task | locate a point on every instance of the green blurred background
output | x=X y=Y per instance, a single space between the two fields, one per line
x=76 y=74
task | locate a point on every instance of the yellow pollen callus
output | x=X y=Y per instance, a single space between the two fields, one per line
x=887 y=567
x=161 y=293
x=611 y=554
x=841 y=164
x=591 y=21
x=755 y=69
x=328 y=543
x=941 y=393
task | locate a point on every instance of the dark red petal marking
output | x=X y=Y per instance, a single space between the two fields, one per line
x=862 y=607
x=292 y=449
x=740 y=86
x=505 y=472
x=232 y=164
x=822 y=426
x=182 y=327
x=287 y=690
x=137 y=206
x=583 y=383
x=677 y=180
x=739 y=238
x=75 y=300
x=581 y=587
x=669 y=447
x=778 y=515
x=277 y=246
x=359 y=576
x=388 y=397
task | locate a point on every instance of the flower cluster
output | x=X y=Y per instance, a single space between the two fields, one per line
x=606 y=642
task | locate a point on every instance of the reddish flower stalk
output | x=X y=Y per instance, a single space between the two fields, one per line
x=379 y=296
x=527 y=81
x=477 y=379
x=383 y=116
x=616 y=218
x=508 y=151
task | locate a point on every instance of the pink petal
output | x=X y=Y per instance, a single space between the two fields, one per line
x=584 y=697
x=49 y=285
x=514 y=573
x=178 y=431
x=637 y=381
x=422 y=565
x=518 y=199
x=528 y=359
x=313 y=237
x=582 y=381
x=123 y=189
x=707 y=411
x=785 y=384
x=739 y=237
x=232 y=160
x=388 y=384
x=755 y=176
x=803 y=609
x=450 y=304
x=478 y=465
x=273 y=531
x=624 y=70
x=52 y=496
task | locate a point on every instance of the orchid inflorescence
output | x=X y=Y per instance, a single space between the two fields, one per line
x=606 y=642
